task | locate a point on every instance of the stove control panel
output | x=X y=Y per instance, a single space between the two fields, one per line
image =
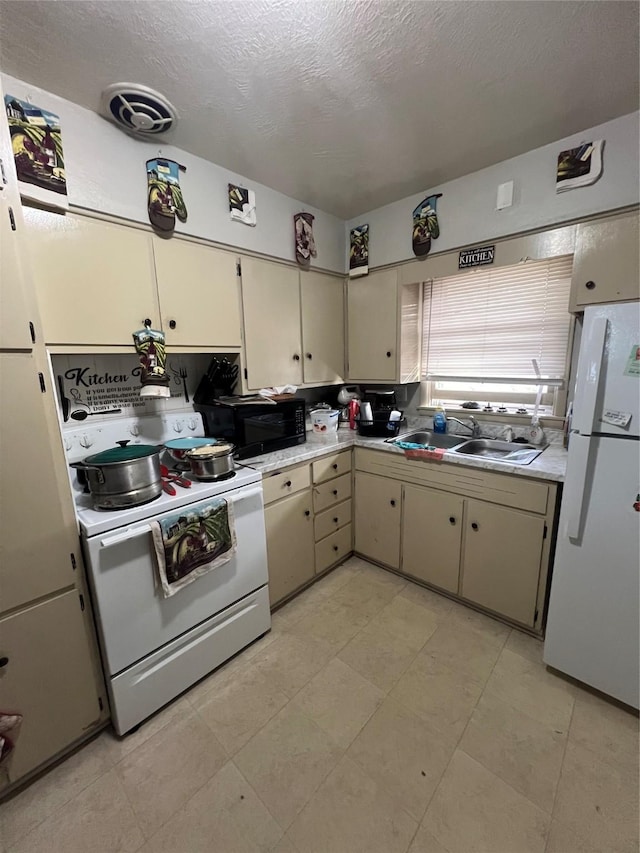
x=82 y=441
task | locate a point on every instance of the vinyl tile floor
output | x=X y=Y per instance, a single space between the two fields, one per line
x=376 y=716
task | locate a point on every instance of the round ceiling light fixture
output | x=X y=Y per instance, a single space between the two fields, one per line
x=138 y=109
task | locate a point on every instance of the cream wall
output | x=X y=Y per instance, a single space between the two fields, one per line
x=467 y=213
x=106 y=172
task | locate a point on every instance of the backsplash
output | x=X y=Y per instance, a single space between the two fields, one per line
x=99 y=383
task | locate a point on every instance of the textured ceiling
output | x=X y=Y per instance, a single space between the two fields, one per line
x=344 y=104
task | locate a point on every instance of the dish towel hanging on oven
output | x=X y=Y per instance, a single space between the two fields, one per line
x=192 y=542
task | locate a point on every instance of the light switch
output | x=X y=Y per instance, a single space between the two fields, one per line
x=505 y=195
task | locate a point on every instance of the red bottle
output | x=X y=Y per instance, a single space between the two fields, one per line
x=354 y=409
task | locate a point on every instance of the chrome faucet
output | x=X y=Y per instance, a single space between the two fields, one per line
x=473 y=427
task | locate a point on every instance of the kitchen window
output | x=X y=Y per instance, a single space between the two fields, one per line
x=483 y=329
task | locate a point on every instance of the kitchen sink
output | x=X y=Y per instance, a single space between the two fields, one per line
x=504 y=451
x=433 y=439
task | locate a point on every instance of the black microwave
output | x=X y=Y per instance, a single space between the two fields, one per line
x=255 y=427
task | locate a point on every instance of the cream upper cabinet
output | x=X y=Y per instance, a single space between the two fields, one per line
x=94 y=280
x=36 y=543
x=502 y=552
x=14 y=315
x=378 y=504
x=431 y=536
x=372 y=337
x=290 y=544
x=605 y=264
x=322 y=303
x=271 y=307
x=47 y=676
x=199 y=294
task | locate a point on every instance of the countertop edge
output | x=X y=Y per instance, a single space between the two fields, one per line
x=550 y=465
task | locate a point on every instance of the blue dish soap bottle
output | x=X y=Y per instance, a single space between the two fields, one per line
x=440 y=420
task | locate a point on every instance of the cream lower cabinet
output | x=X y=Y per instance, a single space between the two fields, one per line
x=308 y=521
x=479 y=535
x=47 y=676
x=199 y=293
x=331 y=477
x=431 y=536
x=378 y=502
x=290 y=539
x=502 y=553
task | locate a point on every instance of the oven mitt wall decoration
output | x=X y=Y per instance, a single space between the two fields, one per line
x=164 y=195
x=150 y=347
x=425 y=225
x=305 y=243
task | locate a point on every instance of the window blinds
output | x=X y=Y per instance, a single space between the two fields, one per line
x=489 y=325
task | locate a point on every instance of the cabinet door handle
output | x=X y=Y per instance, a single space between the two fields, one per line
x=388 y=353
x=335 y=492
x=3 y=661
x=335 y=520
x=288 y=484
x=335 y=547
x=590 y=285
x=307 y=512
x=309 y=356
x=393 y=503
x=296 y=357
x=147 y=323
x=335 y=466
x=452 y=519
x=475 y=526
x=172 y=324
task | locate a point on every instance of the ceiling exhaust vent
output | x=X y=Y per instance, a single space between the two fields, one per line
x=138 y=109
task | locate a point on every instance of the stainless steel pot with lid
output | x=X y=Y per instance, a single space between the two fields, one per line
x=214 y=462
x=124 y=476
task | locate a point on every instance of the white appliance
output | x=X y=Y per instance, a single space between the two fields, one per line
x=153 y=648
x=593 y=622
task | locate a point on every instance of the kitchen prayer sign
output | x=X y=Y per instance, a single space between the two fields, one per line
x=476 y=257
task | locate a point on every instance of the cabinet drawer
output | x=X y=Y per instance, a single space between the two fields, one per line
x=332 y=492
x=333 y=548
x=283 y=483
x=331 y=466
x=331 y=519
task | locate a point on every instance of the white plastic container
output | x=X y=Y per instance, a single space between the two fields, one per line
x=324 y=423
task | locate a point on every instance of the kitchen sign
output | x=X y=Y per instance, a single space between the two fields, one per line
x=476 y=257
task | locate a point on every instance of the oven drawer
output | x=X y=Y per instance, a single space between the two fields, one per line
x=283 y=483
x=332 y=519
x=331 y=492
x=149 y=684
x=333 y=548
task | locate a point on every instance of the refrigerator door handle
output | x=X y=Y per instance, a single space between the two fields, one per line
x=588 y=375
x=575 y=483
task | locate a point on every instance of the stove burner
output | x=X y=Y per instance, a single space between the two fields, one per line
x=217 y=479
x=127 y=506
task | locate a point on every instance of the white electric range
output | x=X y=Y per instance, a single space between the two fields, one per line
x=153 y=648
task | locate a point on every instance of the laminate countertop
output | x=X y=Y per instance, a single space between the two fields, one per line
x=550 y=465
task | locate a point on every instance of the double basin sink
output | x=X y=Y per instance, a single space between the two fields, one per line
x=514 y=453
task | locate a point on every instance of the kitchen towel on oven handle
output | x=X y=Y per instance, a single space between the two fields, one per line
x=192 y=542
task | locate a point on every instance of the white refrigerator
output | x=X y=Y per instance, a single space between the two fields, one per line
x=593 y=625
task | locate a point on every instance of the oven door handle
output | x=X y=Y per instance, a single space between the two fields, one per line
x=125 y=535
